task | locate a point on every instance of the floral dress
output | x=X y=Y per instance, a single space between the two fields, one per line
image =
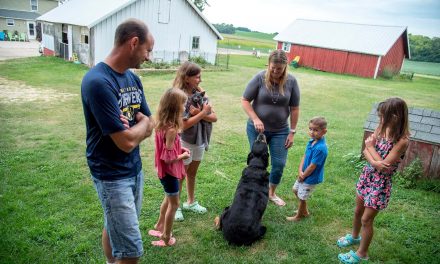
x=373 y=186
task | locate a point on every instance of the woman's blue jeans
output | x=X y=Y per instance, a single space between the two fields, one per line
x=277 y=151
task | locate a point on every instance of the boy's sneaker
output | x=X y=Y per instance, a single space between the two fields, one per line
x=194 y=207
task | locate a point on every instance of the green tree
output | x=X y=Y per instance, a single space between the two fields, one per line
x=424 y=48
x=225 y=28
x=245 y=29
x=201 y=4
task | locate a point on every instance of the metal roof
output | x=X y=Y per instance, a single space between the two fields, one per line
x=16 y=14
x=89 y=13
x=84 y=13
x=424 y=124
x=360 y=38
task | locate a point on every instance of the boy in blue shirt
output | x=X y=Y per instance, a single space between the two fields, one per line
x=311 y=168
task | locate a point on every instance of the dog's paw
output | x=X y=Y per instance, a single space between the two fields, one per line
x=217 y=222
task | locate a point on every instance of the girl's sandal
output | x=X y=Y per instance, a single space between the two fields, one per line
x=178 y=217
x=161 y=243
x=194 y=207
x=351 y=258
x=277 y=201
x=348 y=240
x=154 y=233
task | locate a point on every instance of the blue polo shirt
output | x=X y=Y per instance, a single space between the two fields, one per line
x=316 y=154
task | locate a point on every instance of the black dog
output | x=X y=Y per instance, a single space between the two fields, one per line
x=241 y=222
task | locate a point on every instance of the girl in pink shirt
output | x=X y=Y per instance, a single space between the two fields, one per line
x=169 y=156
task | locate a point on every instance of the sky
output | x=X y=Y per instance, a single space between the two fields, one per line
x=422 y=17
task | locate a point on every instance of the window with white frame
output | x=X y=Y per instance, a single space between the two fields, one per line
x=48 y=29
x=286 y=47
x=196 y=43
x=34 y=5
x=10 y=22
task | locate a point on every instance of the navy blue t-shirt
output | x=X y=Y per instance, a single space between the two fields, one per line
x=105 y=95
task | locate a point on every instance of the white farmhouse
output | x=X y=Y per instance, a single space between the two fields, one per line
x=85 y=29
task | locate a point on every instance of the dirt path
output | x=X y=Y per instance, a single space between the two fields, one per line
x=19 y=92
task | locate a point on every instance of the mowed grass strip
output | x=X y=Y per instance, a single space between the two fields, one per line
x=50 y=213
x=248 y=41
x=421 y=67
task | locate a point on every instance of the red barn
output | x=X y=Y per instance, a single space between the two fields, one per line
x=347 y=48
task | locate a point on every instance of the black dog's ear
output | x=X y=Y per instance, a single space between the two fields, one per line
x=202 y=93
x=266 y=159
x=250 y=156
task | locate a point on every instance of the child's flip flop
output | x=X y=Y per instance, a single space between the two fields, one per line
x=161 y=243
x=155 y=233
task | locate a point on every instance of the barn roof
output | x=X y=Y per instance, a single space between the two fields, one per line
x=17 y=14
x=360 y=38
x=424 y=124
x=89 y=13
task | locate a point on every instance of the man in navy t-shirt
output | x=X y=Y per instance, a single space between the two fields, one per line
x=118 y=120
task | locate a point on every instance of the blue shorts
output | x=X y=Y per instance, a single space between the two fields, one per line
x=121 y=201
x=170 y=185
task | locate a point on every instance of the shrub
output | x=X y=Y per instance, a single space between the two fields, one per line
x=407 y=76
x=155 y=65
x=199 y=60
x=408 y=177
x=388 y=72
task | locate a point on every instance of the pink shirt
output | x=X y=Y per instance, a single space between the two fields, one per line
x=163 y=155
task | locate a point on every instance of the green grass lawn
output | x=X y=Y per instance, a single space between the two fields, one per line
x=49 y=210
x=420 y=67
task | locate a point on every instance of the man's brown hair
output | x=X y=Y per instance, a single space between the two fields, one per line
x=129 y=29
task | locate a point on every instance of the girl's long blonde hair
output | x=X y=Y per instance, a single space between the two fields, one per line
x=393 y=114
x=276 y=57
x=170 y=109
x=187 y=69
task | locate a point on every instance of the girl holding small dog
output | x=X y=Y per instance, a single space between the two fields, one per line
x=188 y=78
x=169 y=156
x=270 y=98
x=384 y=150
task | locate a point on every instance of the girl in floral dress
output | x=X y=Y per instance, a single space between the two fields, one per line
x=384 y=150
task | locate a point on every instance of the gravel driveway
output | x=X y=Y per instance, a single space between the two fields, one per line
x=17 y=49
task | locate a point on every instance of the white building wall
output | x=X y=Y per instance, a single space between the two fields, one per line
x=48 y=42
x=170 y=38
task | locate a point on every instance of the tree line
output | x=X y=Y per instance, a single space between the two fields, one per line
x=226 y=28
x=423 y=48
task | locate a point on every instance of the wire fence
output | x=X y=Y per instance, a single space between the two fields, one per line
x=165 y=57
x=162 y=59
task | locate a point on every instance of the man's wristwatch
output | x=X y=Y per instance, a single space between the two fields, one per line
x=293 y=131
